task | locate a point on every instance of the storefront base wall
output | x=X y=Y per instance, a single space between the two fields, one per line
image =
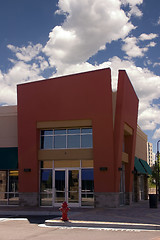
x=29 y=199
x=145 y=187
x=128 y=198
x=106 y=200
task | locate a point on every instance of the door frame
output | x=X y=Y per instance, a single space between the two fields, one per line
x=66 y=170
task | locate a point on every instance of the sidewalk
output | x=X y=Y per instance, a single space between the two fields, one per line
x=137 y=214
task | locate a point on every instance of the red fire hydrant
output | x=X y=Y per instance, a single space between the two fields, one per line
x=64 y=209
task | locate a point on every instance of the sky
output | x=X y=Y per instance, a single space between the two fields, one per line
x=45 y=39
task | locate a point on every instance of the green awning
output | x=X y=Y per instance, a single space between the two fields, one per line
x=9 y=158
x=138 y=166
x=146 y=166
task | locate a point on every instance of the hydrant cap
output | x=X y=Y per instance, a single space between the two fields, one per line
x=64 y=204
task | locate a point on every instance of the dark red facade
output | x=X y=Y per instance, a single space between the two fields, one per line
x=79 y=97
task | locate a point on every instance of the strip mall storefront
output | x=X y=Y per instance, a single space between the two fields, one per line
x=76 y=141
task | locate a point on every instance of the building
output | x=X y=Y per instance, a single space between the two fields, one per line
x=8 y=156
x=76 y=141
x=150 y=154
x=154 y=158
x=141 y=168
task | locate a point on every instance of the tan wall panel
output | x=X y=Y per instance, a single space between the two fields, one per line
x=141 y=145
x=124 y=157
x=64 y=154
x=48 y=164
x=64 y=124
x=65 y=164
x=8 y=127
x=87 y=163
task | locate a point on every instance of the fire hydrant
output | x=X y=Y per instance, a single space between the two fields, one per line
x=64 y=209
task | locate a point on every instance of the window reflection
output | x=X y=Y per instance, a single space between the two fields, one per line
x=46 y=187
x=87 y=196
x=73 y=141
x=66 y=138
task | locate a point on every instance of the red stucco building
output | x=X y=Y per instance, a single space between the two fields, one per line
x=76 y=140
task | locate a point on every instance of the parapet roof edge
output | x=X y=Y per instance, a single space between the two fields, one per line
x=8 y=110
x=62 y=76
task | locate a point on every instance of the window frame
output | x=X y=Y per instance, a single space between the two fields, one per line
x=67 y=134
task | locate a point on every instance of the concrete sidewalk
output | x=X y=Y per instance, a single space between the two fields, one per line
x=137 y=214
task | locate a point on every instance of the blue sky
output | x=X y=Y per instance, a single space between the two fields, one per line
x=43 y=39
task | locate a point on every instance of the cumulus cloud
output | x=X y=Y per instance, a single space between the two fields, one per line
x=147 y=87
x=145 y=83
x=26 y=54
x=156 y=64
x=134 y=10
x=131 y=48
x=19 y=73
x=88 y=26
x=145 y=36
x=84 y=33
x=152 y=44
x=157 y=134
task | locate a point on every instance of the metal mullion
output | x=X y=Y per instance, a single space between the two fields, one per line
x=53 y=185
x=80 y=185
x=80 y=137
x=66 y=185
x=8 y=187
x=53 y=140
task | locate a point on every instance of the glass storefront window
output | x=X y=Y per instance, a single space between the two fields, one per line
x=59 y=131
x=66 y=138
x=73 y=186
x=46 y=142
x=86 y=141
x=59 y=142
x=73 y=141
x=46 y=187
x=86 y=130
x=9 y=188
x=59 y=186
x=87 y=197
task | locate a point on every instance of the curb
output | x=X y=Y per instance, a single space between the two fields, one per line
x=98 y=224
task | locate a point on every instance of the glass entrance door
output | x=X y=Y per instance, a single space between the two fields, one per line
x=60 y=182
x=73 y=186
x=66 y=187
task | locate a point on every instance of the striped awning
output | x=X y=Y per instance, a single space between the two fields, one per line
x=142 y=166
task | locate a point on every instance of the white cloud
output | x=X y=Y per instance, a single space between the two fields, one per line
x=147 y=87
x=156 y=64
x=19 y=73
x=152 y=44
x=132 y=49
x=157 y=134
x=145 y=36
x=134 y=10
x=89 y=25
x=132 y=2
x=158 y=22
x=26 y=54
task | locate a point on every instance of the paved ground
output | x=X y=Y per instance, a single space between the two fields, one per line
x=137 y=221
x=135 y=215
